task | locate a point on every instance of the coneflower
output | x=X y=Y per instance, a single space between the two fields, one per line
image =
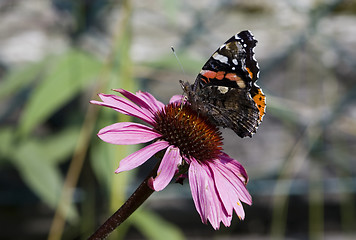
x=193 y=148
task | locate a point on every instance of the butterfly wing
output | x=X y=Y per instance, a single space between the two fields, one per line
x=225 y=89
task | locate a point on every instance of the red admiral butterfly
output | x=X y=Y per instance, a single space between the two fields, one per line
x=225 y=90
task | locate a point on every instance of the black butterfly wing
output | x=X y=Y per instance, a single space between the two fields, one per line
x=225 y=89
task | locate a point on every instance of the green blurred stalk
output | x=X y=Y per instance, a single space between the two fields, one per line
x=120 y=54
x=348 y=221
x=292 y=166
x=123 y=72
x=347 y=199
x=316 y=203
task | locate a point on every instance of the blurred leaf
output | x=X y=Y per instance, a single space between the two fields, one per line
x=58 y=147
x=153 y=226
x=6 y=140
x=71 y=73
x=41 y=175
x=104 y=163
x=19 y=78
x=104 y=160
x=55 y=148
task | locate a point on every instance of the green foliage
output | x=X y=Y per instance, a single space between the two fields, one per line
x=154 y=227
x=38 y=152
x=104 y=163
x=70 y=73
x=57 y=81
x=6 y=143
x=37 y=162
x=15 y=80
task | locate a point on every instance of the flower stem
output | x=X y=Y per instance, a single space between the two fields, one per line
x=135 y=200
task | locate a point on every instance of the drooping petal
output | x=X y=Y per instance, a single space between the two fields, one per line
x=235 y=167
x=198 y=181
x=167 y=168
x=218 y=211
x=229 y=169
x=217 y=190
x=215 y=206
x=222 y=190
x=124 y=106
x=206 y=196
x=239 y=210
x=141 y=156
x=126 y=133
x=238 y=187
x=228 y=193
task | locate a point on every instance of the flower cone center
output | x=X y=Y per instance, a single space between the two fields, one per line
x=193 y=134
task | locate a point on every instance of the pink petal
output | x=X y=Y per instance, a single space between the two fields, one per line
x=125 y=133
x=215 y=207
x=206 y=196
x=217 y=212
x=143 y=99
x=141 y=156
x=229 y=194
x=235 y=167
x=226 y=219
x=178 y=99
x=167 y=168
x=239 y=210
x=198 y=181
x=229 y=185
x=154 y=103
x=217 y=190
x=229 y=171
x=124 y=106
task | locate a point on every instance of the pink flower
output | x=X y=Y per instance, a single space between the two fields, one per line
x=191 y=143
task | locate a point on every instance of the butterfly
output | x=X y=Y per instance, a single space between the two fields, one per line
x=225 y=90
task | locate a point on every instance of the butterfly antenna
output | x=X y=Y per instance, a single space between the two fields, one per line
x=181 y=67
x=180 y=64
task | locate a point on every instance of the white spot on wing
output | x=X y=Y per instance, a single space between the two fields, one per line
x=241 y=84
x=235 y=62
x=220 y=58
x=202 y=72
x=223 y=89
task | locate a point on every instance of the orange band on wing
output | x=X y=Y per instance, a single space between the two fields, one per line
x=213 y=75
x=208 y=73
x=250 y=73
x=232 y=77
x=220 y=75
x=260 y=100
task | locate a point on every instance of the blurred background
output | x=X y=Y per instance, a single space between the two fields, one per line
x=57 y=178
